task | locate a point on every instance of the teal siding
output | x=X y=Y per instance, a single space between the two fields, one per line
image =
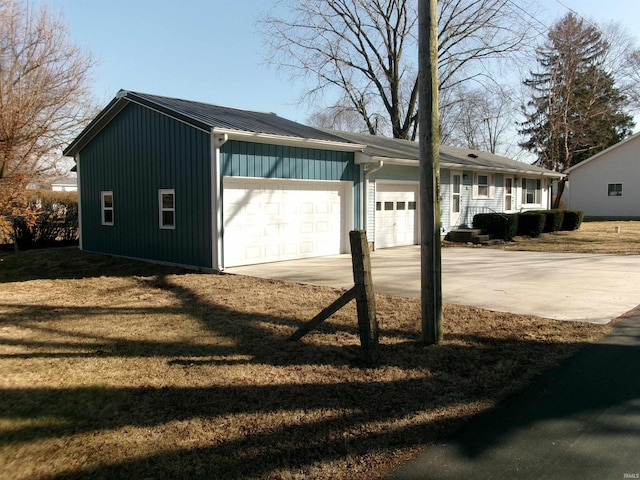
x=245 y=159
x=135 y=155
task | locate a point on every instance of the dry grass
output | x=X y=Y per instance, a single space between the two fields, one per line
x=118 y=369
x=592 y=237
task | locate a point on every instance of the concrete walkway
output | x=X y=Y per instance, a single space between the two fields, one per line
x=563 y=286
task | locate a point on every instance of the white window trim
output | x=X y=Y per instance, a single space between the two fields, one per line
x=491 y=187
x=104 y=208
x=162 y=209
x=615 y=183
x=523 y=188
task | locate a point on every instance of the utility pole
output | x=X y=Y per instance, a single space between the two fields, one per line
x=429 y=137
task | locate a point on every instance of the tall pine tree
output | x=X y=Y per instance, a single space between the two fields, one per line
x=575 y=110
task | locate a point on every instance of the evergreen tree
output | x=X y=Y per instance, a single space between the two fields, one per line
x=576 y=110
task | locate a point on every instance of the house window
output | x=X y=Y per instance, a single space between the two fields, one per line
x=531 y=191
x=167 y=200
x=483 y=185
x=615 y=189
x=107 y=208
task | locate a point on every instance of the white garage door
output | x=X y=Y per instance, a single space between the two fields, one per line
x=273 y=220
x=396 y=215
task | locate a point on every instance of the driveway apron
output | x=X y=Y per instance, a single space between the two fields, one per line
x=564 y=286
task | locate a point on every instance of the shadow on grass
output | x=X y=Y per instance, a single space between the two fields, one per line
x=71 y=263
x=334 y=421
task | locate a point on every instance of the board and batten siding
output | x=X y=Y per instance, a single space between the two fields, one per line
x=257 y=160
x=138 y=153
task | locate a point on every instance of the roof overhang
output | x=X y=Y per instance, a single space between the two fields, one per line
x=362 y=158
x=271 y=139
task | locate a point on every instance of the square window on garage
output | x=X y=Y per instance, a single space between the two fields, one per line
x=378 y=206
x=615 y=189
x=412 y=206
x=388 y=205
x=401 y=206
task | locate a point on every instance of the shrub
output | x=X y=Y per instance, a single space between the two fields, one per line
x=498 y=225
x=553 y=221
x=56 y=222
x=531 y=223
x=572 y=219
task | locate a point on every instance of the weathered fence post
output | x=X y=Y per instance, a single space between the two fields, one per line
x=365 y=298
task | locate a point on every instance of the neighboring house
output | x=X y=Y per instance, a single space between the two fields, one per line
x=67 y=184
x=607 y=185
x=205 y=186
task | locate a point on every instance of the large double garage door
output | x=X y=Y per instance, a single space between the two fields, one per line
x=273 y=220
x=396 y=221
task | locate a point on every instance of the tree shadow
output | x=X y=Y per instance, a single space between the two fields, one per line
x=332 y=421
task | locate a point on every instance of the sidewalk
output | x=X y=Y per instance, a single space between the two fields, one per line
x=581 y=421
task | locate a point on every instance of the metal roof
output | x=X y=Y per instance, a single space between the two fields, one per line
x=203 y=116
x=397 y=149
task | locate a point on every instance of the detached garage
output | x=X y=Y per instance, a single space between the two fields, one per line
x=205 y=186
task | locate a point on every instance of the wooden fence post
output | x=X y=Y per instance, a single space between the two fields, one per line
x=365 y=298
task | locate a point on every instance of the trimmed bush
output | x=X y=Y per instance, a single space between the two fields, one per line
x=572 y=219
x=498 y=225
x=554 y=219
x=531 y=224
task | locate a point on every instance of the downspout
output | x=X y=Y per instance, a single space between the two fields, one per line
x=367 y=173
x=217 y=140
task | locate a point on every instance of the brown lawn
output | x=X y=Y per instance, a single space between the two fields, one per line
x=119 y=369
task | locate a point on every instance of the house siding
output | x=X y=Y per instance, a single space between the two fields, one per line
x=138 y=153
x=257 y=160
x=588 y=183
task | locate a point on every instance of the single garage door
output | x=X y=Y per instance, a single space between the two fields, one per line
x=273 y=220
x=396 y=215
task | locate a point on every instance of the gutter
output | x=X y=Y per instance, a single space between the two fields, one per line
x=270 y=138
x=368 y=170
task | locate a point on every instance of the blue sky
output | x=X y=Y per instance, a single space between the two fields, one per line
x=211 y=51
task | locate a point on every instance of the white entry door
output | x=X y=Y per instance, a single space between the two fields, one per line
x=396 y=221
x=273 y=220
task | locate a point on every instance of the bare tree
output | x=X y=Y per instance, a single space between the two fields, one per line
x=44 y=98
x=481 y=119
x=364 y=52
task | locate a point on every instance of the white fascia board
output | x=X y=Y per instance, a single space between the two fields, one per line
x=288 y=141
x=362 y=158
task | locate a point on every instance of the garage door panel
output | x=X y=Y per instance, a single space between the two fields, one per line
x=267 y=220
x=396 y=215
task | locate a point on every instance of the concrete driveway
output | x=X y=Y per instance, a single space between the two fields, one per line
x=563 y=286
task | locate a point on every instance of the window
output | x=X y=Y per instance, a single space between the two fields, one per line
x=167 y=209
x=388 y=205
x=531 y=191
x=483 y=185
x=107 y=208
x=400 y=205
x=615 y=189
x=411 y=205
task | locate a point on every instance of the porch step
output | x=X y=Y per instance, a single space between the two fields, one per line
x=463 y=235
x=471 y=235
